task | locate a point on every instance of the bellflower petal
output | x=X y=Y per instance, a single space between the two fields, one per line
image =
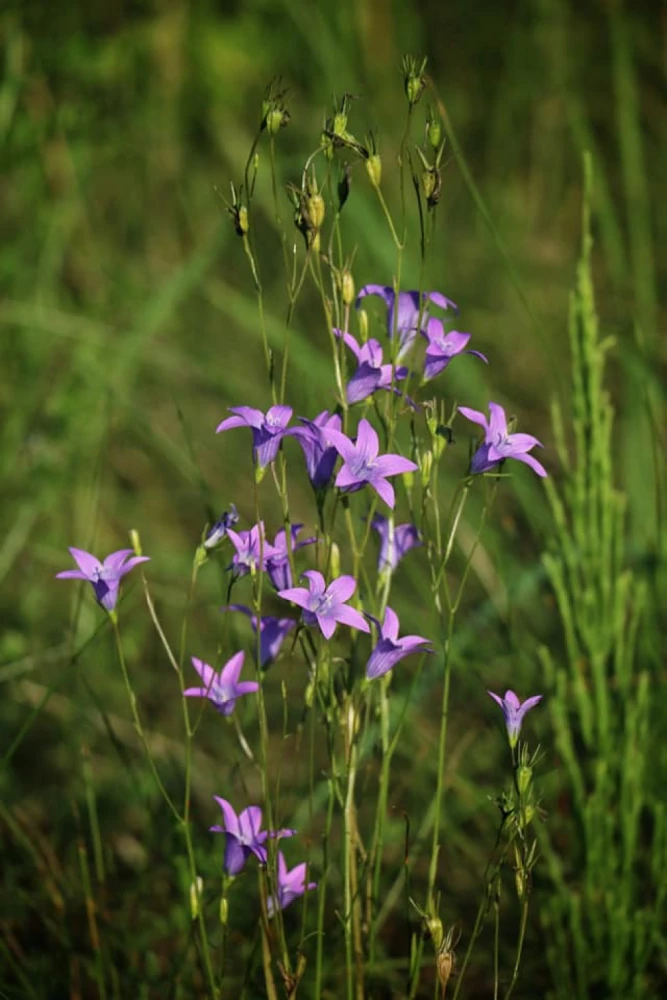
x=325 y=606
x=224 y=688
x=514 y=712
x=498 y=445
x=104 y=577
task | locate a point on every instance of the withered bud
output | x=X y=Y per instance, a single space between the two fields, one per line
x=344 y=187
x=432 y=185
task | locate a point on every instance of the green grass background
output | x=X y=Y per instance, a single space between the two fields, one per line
x=128 y=324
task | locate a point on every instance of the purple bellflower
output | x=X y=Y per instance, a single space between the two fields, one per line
x=277 y=566
x=442 y=347
x=390 y=649
x=244 y=835
x=224 y=688
x=498 y=444
x=268 y=429
x=325 y=606
x=290 y=885
x=219 y=530
x=318 y=450
x=249 y=545
x=272 y=632
x=363 y=466
x=407 y=318
x=514 y=712
x=105 y=577
x=371 y=374
x=395 y=541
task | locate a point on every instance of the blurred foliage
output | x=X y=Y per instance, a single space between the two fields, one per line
x=128 y=324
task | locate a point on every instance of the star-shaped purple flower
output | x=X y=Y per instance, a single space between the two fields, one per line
x=390 y=649
x=224 y=688
x=395 y=541
x=105 y=577
x=498 y=444
x=442 y=347
x=514 y=712
x=363 y=466
x=290 y=885
x=272 y=632
x=407 y=320
x=244 y=835
x=268 y=429
x=325 y=606
x=249 y=545
x=318 y=451
x=371 y=374
x=277 y=565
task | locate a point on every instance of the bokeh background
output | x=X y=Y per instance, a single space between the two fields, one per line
x=128 y=324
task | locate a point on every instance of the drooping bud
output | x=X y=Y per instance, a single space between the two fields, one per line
x=414 y=80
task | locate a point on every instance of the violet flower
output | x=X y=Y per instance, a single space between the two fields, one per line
x=390 y=649
x=442 y=347
x=272 y=632
x=268 y=429
x=224 y=688
x=363 y=466
x=371 y=374
x=317 y=449
x=253 y=551
x=325 y=606
x=514 y=712
x=277 y=565
x=244 y=835
x=407 y=319
x=395 y=541
x=290 y=885
x=219 y=530
x=105 y=577
x=498 y=444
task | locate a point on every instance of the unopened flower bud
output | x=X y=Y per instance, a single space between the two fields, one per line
x=196 y=889
x=426 y=467
x=335 y=561
x=435 y=931
x=276 y=119
x=339 y=123
x=374 y=169
x=316 y=209
x=433 y=131
x=224 y=911
x=414 y=80
x=362 y=317
x=274 y=113
x=524 y=776
x=520 y=882
x=527 y=815
x=347 y=288
x=135 y=542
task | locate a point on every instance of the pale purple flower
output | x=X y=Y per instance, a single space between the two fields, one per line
x=268 y=429
x=105 y=577
x=371 y=374
x=363 y=466
x=514 y=712
x=442 y=347
x=244 y=835
x=318 y=451
x=277 y=566
x=290 y=885
x=224 y=688
x=325 y=606
x=272 y=632
x=407 y=318
x=249 y=545
x=390 y=649
x=498 y=444
x=219 y=530
x=395 y=541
